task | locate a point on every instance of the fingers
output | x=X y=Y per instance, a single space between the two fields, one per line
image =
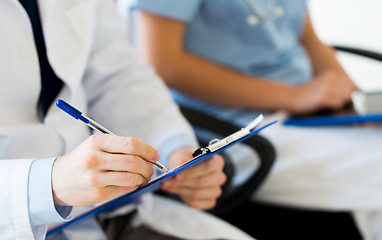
x=124 y=145
x=204 y=204
x=204 y=198
x=341 y=92
x=112 y=178
x=333 y=89
x=215 y=163
x=197 y=193
x=98 y=195
x=339 y=84
x=211 y=180
x=334 y=100
x=199 y=186
x=208 y=181
x=126 y=163
x=102 y=167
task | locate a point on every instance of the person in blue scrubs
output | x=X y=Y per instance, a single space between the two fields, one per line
x=235 y=58
x=230 y=58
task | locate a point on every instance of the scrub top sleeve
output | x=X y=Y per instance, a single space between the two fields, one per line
x=182 y=10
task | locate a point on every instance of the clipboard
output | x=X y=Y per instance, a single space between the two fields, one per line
x=199 y=155
x=333 y=120
x=345 y=116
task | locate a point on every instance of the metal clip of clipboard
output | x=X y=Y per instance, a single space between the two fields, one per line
x=216 y=144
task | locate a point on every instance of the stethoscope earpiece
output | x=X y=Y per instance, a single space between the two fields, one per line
x=257 y=16
x=252 y=20
x=278 y=11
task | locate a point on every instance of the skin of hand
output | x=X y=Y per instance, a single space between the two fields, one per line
x=330 y=89
x=100 y=168
x=200 y=186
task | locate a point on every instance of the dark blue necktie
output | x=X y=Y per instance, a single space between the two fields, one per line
x=50 y=83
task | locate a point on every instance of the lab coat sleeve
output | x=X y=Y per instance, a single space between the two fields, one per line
x=124 y=93
x=14 y=219
x=25 y=213
x=42 y=210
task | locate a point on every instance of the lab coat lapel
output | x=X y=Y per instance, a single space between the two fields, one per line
x=68 y=36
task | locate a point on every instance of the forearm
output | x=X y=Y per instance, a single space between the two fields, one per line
x=201 y=78
x=322 y=57
x=217 y=84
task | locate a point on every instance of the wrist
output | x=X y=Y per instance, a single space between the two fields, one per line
x=289 y=99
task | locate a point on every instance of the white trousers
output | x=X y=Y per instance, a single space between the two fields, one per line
x=328 y=168
x=163 y=216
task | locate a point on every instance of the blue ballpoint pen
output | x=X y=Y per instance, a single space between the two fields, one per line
x=66 y=107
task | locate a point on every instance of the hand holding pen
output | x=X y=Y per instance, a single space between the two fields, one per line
x=94 y=125
x=100 y=168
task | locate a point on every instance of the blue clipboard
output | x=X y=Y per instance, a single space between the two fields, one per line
x=332 y=120
x=153 y=185
x=326 y=117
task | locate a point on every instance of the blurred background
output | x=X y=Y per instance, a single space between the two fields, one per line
x=352 y=23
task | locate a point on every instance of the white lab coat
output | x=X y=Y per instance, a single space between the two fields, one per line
x=88 y=50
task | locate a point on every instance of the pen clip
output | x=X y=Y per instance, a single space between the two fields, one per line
x=215 y=140
x=200 y=152
x=215 y=144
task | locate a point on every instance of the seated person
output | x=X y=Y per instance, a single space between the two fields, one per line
x=234 y=59
x=49 y=163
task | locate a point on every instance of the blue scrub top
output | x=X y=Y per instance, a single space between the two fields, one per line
x=218 y=30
